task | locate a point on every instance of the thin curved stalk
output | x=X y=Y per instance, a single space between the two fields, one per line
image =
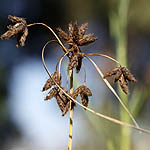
x=102 y=55
x=113 y=91
x=90 y=110
x=60 y=60
x=43 y=24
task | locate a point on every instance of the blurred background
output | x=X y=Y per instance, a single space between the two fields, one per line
x=28 y=122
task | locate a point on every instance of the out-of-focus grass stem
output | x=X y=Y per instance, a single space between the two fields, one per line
x=118 y=28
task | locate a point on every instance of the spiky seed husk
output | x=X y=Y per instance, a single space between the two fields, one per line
x=19 y=29
x=63 y=96
x=63 y=101
x=62 y=34
x=15 y=19
x=50 y=82
x=66 y=108
x=87 y=39
x=76 y=35
x=79 y=63
x=84 y=92
x=128 y=76
x=52 y=93
x=82 y=30
x=75 y=32
x=60 y=103
x=123 y=75
x=73 y=62
x=81 y=89
x=84 y=99
x=76 y=62
x=70 y=29
x=123 y=84
x=112 y=72
x=22 y=38
x=117 y=76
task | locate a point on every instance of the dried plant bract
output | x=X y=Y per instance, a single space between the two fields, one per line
x=84 y=92
x=123 y=75
x=19 y=29
x=74 y=38
x=50 y=82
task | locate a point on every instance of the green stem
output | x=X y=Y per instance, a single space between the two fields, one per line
x=118 y=28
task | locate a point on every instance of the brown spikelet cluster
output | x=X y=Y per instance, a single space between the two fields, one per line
x=62 y=100
x=76 y=35
x=84 y=92
x=74 y=38
x=56 y=77
x=76 y=62
x=123 y=75
x=19 y=29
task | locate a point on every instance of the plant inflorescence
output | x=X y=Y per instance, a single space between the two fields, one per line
x=75 y=38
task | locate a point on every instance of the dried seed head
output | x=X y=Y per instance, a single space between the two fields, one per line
x=62 y=34
x=82 y=30
x=50 y=82
x=128 y=76
x=60 y=103
x=84 y=92
x=15 y=19
x=76 y=35
x=63 y=101
x=73 y=62
x=84 y=99
x=78 y=67
x=19 y=29
x=66 y=108
x=123 y=75
x=76 y=62
x=81 y=89
x=22 y=38
x=112 y=72
x=52 y=93
x=87 y=39
x=117 y=76
x=123 y=84
x=70 y=30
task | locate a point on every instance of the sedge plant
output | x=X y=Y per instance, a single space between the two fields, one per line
x=66 y=98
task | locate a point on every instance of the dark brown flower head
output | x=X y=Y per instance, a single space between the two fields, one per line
x=76 y=62
x=123 y=75
x=84 y=92
x=128 y=76
x=50 y=82
x=52 y=93
x=19 y=29
x=84 y=99
x=62 y=100
x=123 y=84
x=76 y=35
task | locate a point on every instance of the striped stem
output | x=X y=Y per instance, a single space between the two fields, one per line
x=71 y=112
